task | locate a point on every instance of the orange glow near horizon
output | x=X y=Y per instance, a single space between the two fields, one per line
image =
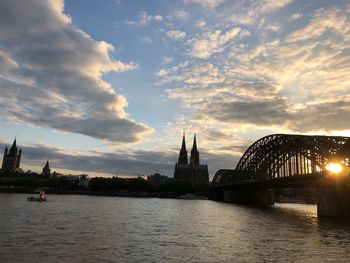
x=334 y=168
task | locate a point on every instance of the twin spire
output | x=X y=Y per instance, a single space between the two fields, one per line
x=194 y=159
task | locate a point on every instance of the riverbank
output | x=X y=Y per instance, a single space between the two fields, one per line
x=141 y=194
x=98 y=186
x=94 y=193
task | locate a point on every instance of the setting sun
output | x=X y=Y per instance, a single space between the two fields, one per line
x=334 y=167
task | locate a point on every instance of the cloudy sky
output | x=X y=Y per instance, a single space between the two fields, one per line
x=108 y=87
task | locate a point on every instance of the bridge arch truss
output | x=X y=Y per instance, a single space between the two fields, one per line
x=284 y=155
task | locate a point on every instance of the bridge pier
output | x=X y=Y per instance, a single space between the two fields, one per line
x=333 y=198
x=255 y=197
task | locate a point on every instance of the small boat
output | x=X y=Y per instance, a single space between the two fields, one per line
x=38 y=199
x=41 y=197
x=192 y=197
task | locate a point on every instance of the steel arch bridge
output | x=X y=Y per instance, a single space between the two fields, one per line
x=280 y=156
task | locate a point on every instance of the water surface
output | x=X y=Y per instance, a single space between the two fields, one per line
x=115 y=229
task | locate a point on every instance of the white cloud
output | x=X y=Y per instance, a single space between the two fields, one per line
x=182 y=14
x=273 y=28
x=146 y=40
x=200 y=24
x=161 y=73
x=6 y=64
x=205 y=45
x=144 y=19
x=250 y=14
x=321 y=21
x=295 y=17
x=176 y=34
x=200 y=74
x=209 y=4
x=51 y=75
x=267 y=6
x=166 y=60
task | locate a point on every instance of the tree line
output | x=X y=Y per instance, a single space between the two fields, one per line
x=97 y=184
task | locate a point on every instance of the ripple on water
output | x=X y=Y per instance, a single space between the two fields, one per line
x=107 y=229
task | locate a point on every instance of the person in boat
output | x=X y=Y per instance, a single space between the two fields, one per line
x=42 y=195
x=40 y=199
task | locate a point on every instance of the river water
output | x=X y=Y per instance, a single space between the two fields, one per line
x=71 y=228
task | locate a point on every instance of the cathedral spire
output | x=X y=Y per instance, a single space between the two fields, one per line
x=183 y=152
x=183 y=146
x=13 y=149
x=194 y=148
x=194 y=153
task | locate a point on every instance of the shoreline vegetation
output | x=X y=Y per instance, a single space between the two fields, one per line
x=98 y=186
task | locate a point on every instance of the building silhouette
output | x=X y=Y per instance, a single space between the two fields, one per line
x=46 y=170
x=193 y=172
x=158 y=179
x=12 y=158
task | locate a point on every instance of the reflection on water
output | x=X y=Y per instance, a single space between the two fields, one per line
x=107 y=229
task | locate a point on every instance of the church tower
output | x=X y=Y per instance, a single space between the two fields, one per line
x=183 y=152
x=4 y=159
x=12 y=158
x=46 y=169
x=19 y=156
x=194 y=153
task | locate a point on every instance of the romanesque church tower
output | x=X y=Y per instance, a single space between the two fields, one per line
x=46 y=170
x=12 y=158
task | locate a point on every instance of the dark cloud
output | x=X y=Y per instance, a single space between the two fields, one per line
x=123 y=162
x=129 y=163
x=50 y=74
x=219 y=161
x=317 y=116
x=326 y=116
x=258 y=112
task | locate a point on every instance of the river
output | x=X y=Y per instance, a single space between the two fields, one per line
x=71 y=228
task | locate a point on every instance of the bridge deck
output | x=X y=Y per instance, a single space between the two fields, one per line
x=310 y=180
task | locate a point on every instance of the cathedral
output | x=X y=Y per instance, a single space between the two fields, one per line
x=12 y=158
x=194 y=171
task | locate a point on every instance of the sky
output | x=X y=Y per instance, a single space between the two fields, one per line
x=108 y=87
